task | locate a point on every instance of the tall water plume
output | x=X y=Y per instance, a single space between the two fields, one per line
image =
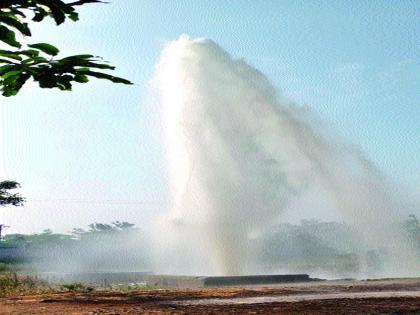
x=237 y=154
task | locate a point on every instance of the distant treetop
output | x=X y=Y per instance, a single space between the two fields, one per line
x=8 y=198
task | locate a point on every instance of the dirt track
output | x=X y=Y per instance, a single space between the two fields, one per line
x=348 y=297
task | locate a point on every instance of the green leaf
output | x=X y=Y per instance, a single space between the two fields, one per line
x=47 y=81
x=74 y=16
x=10 y=73
x=78 y=57
x=97 y=65
x=7 y=36
x=39 y=15
x=13 y=84
x=30 y=52
x=81 y=78
x=14 y=10
x=35 y=60
x=10 y=54
x=7 y=67
x=46 y=48
x=56 y=11
x=5 y=61
x=14 y=22
x=105 y=76
x=64 y=82
x=58 y=15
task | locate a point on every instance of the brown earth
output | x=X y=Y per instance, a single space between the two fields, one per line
x=393 y=296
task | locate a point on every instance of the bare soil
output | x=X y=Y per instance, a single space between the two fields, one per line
x=393 y=296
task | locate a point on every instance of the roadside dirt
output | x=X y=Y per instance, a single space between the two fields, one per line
x=398 y=296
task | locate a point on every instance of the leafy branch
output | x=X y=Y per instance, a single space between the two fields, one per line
x=38 y=61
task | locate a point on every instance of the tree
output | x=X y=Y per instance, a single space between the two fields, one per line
x=103 y=228
x=18 y=64
x=8 y=198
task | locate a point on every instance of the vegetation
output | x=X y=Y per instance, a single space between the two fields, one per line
x=77 y=287
x=49 y=239
x=12 y=284
x=8 y=198
x=102 y=247
x=8 y=267
x=311 y=246
x=39 y=61
x=329 y=248
x=20 y=62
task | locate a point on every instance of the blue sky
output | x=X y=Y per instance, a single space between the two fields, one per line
x=355 y=64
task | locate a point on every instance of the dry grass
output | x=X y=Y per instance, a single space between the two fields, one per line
x=12 y=283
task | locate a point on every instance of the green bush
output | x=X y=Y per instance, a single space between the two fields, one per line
x=77 y=287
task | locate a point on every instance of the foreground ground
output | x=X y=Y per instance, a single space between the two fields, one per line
x=394 y=296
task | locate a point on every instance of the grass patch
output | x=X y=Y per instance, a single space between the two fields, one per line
x=13 y=284
x=20 y=283
x=77 y=287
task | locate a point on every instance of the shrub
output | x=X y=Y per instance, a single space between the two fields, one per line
x=77 y=287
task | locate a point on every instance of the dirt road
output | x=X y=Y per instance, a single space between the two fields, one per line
x=343 y=297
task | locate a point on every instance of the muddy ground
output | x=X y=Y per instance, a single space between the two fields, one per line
x=393 y=296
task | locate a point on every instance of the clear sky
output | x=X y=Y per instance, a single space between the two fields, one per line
x=94 y=154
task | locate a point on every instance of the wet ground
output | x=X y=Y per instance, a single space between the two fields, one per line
x=393 y=296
